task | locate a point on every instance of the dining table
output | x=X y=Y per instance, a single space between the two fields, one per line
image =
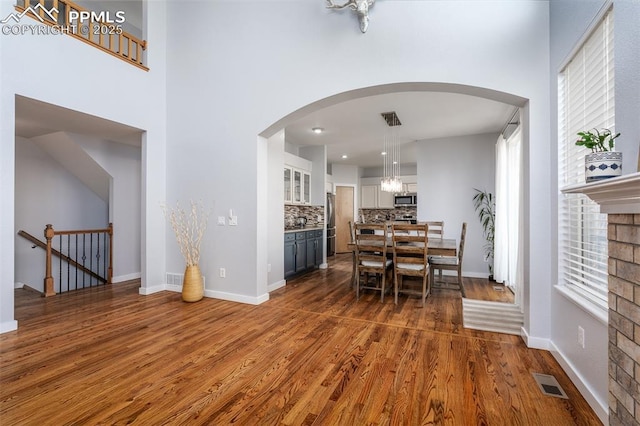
x=436 y=247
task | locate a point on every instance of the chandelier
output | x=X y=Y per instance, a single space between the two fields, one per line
x=391 y=181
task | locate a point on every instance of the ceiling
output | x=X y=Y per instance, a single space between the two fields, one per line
x=355 y=128
x=36 y=118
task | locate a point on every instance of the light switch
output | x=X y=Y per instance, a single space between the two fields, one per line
x=221 y=220
x=233 y=220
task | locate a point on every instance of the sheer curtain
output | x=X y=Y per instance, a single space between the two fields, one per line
x=507 y=243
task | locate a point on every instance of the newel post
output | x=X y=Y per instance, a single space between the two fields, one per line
x=48 y=278
x=110 y=269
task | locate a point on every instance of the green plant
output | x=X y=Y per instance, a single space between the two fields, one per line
x=597 y=141
x=485 y=206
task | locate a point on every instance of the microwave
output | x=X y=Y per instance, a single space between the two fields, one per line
x=409 y=199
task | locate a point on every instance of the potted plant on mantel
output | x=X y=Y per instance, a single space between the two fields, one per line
x=602 y=162
x=189 y=230
x=485 y=206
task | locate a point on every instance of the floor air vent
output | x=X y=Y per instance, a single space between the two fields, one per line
x=498 y=288
x=549 y=385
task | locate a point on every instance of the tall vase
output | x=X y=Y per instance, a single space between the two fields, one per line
x=192 y=287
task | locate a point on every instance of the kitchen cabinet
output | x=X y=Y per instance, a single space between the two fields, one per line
x=373 y=197
x=369 y=196
x=411 y=187
x=288 y=173
x=385 y=199
x=302 y=251
x=297 y=186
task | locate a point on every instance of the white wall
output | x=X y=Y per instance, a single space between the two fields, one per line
x=570 y=20
x=275 y=256
x=267 y=68
x=46 y=193
x=448 y=170
x=133 y=96
x=318 y=157
x=123 y=163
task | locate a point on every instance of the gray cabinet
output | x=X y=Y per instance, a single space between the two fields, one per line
x=302 y=251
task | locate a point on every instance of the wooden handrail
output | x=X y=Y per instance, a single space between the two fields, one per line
x=55 y=252
x=102 y=35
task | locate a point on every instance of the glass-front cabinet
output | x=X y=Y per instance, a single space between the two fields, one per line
x=306 y=188
x=287 y=184
x=297 y=186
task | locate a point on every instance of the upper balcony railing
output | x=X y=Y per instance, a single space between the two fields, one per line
x=99 y=29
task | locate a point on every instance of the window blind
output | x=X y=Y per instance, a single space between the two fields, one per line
x=585 y=101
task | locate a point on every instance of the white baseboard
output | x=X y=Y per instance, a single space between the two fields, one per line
x=145 y=291
x=276 y=285
x=324 y=266
x=8 y=326
x=18 y=285
x=240 y=298
x=534 y=342
x=600 y=407
x=127 y=277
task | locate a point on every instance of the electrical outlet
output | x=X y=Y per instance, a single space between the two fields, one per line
x=581 y=337
x=221 y=220
x=268 y=267
x=223 y=273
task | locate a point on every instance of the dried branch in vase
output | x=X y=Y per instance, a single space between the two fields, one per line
x=188 y=228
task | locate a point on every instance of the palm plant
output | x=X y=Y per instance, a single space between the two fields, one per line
x=485 y=206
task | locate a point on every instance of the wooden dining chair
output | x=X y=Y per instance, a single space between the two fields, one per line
x=371 y=257
x=410 y=257
x=452 y=263
x=352 y=240
x=436 y=230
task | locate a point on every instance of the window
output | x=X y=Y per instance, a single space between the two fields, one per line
x=585 y=101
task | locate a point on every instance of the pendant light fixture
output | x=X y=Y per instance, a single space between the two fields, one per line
x=391 y=181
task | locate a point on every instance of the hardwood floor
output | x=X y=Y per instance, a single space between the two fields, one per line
x=310 y=355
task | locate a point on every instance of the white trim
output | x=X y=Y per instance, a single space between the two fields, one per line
x=619 y=195
x=593 y=309
x=8 y=326
x=127 y=277
x=601 y=408
x=145 y=291
x=240 y=298
x=592 y=26
x=18 y=285
x=323 y=266
x=534 y=342
x=276 y=285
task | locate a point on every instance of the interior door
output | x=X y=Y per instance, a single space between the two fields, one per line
x=344 y=214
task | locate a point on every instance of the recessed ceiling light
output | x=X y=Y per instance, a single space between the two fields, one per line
x=317 y=130
x=383 y=153
x=345 y=156
x=395 y=162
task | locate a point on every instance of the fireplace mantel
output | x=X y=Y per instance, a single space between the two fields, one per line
x=619 y=195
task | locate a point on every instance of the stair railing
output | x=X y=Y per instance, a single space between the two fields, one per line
x=72 y=249
x=66 y=17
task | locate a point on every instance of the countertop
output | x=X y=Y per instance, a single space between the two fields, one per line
x=303 y=229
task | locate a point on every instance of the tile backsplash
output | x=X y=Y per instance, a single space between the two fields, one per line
x=312 y=213
x=381 y=215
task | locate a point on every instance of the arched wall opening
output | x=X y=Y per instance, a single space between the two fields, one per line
x=271 y=144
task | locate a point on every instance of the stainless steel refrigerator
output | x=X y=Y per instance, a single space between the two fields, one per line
x=331 y=224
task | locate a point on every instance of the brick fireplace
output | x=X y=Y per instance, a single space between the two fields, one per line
x=620 y=199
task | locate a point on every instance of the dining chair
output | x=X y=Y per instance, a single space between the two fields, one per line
x=371 y=257
x=436 y=230
x=452 y=263
x=352 y=240
x=410 y=257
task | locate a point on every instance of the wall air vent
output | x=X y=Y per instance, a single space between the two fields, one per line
x=391 y=118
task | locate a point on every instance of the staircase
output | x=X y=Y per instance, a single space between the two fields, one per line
x=492 y=316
